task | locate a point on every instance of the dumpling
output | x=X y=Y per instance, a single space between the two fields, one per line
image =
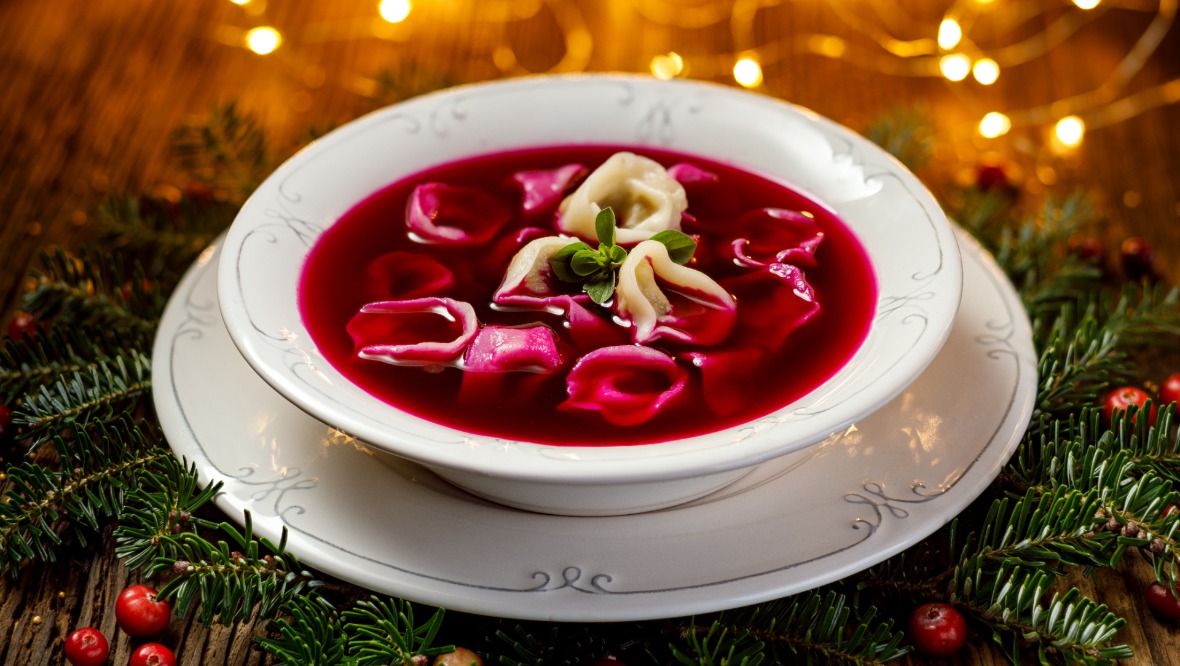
x=645 y=200
x=529 y=282
x=663 y=300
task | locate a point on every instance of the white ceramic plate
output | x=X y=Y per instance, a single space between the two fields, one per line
x=910 y=242
x=809 y=518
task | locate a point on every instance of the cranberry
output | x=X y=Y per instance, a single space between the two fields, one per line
x=992 y=176
x=1138 y=258
x=87 y=647
x=460 y=657
x=937 y=630
x=1120 y=399
x=22 y=324
x=152 y=654
x=1089 y=249
x=5 y=422
x=139 y=613
x=1163 y=602
x=1170 y=390
x=609 y=660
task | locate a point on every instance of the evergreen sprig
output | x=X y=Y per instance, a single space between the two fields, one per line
x=816 y=627
x=230 y=579
x=1069 y=628
x=309 y=633
x=159 y=509
x=383 y=631
x=228 y=152
x=93 y=290
x=100 y=392
x=545 y=644
x=43 y=505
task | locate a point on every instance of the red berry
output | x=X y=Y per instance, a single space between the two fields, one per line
x=5 y=421
x=1170 y=390
x=460 y=657
x=152 y=654
x=1087 y=248
x=991 y=176
x=609 y=660
x=139 y=613
x=1120 y=399
x=937 y=630
x=22 y=324
x=87 y=647
x=1163 y=602
x=1138 y=258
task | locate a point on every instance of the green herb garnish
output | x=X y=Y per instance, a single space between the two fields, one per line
x=597 y=270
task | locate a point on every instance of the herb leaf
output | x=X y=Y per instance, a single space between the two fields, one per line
x=587 y=262
x=604 y=226
x=680 y=245
x=593 y=269
x=559 y=262
x=601 y=287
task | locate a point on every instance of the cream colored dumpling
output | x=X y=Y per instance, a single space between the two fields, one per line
x=645 y=200
x=659 y=298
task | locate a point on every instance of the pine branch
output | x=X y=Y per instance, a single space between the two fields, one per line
x=163 y=236
x=102 y=392
x=1069 y=628
x=28 y=364
x=1083 y=356
x=543 y=644
x=43 y=504
x=228 y=152
x=906 y=134
x=229 y=585
x=91 y=291
x=382 y=631
x=162 y=506
x=811 y=628
x=313 y=636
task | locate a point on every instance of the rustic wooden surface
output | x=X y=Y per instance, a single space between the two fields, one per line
x=90 y=89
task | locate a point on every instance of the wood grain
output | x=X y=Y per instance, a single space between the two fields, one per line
x=91 y=89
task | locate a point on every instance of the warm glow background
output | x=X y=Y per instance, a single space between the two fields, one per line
x=89 y=81
x=1060 y=95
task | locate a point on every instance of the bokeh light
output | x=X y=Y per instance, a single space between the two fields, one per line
x=747 y=72
x=394 y=11
x=994 y=124
x=955 y=67
x=263 y=39
x=949 y=33
x=986 y=71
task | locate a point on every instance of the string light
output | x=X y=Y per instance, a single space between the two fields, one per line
x=394 y=11
x=263 y=39
x=950 y=53
x=667 y=66
x=1069 y=131
x=950 y=33
x=985 y=71
x=994 y=124
x=955 y=67
x=747 y=72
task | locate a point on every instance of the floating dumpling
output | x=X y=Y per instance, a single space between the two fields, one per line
x=663 y=300
x=441 y=213
x=427 y=332
x=627 y=384
x=542 y=190
x=645 y=199
x=513 y=349
x=529 y=282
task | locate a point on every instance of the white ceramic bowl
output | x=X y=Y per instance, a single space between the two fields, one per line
x=910 y=244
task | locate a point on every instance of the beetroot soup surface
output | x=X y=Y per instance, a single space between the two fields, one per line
x=523 y=406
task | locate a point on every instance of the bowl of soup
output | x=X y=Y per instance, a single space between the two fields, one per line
x=590 y=295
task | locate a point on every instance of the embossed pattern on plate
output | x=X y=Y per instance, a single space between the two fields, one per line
x=803 y=520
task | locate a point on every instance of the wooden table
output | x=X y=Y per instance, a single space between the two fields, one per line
x=90 y=89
